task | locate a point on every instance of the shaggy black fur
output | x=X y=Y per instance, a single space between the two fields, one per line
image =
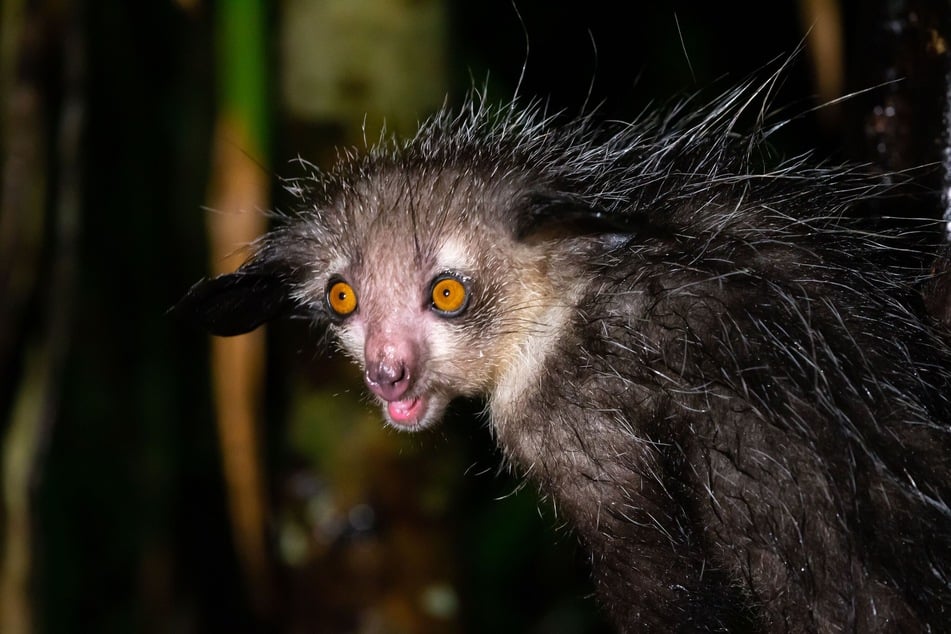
x=720 y=384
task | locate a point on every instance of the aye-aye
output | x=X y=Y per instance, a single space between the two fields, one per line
x=724 y=388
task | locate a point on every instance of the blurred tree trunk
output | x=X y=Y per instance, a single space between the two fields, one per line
x=822 y=24
x=42 y=90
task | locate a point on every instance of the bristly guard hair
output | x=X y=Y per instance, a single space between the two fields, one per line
x=723 y=386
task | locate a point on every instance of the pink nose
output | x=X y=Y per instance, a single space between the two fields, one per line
x=391 y=364
x=388 y=379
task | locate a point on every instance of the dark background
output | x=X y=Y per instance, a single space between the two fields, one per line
x=130 y=525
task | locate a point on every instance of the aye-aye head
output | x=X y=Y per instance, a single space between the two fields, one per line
x=441 y=267
x=447 y=265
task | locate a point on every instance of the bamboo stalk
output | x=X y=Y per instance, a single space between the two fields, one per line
x=237 y=194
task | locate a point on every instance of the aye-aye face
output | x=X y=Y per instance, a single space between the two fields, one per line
x=426 y=292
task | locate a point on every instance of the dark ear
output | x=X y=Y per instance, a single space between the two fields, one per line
x=550 y=216
x=238 y=302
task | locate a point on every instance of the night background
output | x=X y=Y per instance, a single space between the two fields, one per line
x=156 y=481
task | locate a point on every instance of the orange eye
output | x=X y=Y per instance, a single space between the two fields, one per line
x=450 y=296
x=341 y=298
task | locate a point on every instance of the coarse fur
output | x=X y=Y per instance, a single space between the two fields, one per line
x=718 y=383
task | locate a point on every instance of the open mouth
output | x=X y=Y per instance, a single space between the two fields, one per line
x=407 y=412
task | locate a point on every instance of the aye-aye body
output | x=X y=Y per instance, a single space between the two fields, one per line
x=719 y=385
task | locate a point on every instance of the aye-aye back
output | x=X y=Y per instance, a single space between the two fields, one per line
x=721 y=386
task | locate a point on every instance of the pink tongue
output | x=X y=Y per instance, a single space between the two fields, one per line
x=403 y=411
